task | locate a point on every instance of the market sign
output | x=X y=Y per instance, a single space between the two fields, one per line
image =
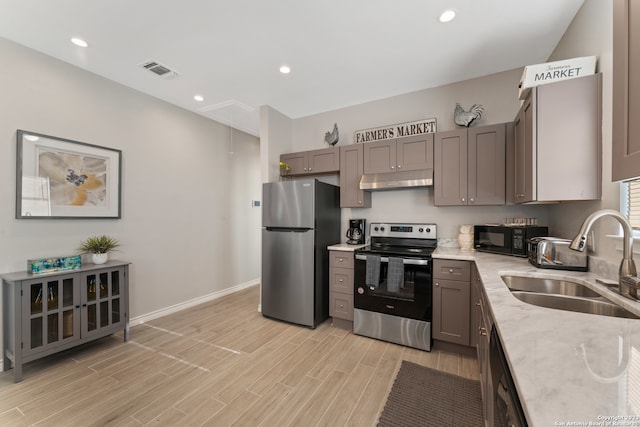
x=419 y=127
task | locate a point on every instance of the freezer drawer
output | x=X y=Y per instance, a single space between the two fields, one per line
x=288 y=204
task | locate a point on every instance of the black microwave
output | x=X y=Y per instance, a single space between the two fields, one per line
x=506 y=239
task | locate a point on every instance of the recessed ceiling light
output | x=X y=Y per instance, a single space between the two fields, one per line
x=79 y=42
x=198 y=98
x=285 y=69
x=447 y=15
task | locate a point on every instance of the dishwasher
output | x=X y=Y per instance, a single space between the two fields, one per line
x=507 y=410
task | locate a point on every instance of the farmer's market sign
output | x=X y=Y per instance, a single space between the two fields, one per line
x=419 y=127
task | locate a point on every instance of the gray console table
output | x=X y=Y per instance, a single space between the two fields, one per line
x=47 y=313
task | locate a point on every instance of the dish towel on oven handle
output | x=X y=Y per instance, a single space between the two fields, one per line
x=372 y=277
x=395 y=275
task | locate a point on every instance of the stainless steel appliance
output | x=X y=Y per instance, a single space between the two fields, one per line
x=355 y=232
x=506 y=239
x=555 y=254
x=393 y=284
x=300 y=218
x=507 y=410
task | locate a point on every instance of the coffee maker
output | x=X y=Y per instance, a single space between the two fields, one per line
x=355 y=233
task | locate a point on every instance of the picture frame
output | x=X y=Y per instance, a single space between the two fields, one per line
x=62 y=178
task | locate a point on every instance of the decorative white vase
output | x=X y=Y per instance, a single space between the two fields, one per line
x=465 y=238
x=99 y=258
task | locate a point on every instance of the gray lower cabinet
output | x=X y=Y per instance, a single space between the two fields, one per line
x=470 y=166
x=351 y=170
x=558 y=142
x=45 y=314
x=451 y=300
x=395 y=155
x=482 y=324
x=314 y=162
x=341 y=269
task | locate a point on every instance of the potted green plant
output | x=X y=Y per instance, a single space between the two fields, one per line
x=99 y=247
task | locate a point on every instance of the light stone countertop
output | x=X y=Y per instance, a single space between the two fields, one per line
x=345 y=247
x=568 y=367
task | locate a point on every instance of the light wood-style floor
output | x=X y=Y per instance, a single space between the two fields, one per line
x=220 y=363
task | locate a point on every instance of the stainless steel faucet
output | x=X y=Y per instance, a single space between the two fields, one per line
x=628 y=281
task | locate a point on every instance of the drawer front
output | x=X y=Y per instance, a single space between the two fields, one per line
x=451 y=269
x=341 y=280
x=341 y=259
x=341 y=306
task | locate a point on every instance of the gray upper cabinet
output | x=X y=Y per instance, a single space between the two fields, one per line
x=316 y=162
x=524 y=172
x=470 y=166
x=558 y=142
x=408 y=153
x=626 y=90
x=351 y=169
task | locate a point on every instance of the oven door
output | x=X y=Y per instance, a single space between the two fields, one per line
x=411 y=299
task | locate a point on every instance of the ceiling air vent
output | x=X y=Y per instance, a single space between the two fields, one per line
x=160 y=70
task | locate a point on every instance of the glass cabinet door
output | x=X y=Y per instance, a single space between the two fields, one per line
x=51 y=305
x=102 y=299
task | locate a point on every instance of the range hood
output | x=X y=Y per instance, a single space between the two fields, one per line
x=396 y=180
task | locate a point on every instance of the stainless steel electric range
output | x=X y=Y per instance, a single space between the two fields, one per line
x=393 y=281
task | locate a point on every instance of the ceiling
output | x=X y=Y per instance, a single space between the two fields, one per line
x=341 y=52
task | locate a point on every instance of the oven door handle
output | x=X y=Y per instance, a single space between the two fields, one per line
x=406 y=261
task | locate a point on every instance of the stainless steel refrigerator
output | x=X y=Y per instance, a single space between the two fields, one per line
x=300 y=218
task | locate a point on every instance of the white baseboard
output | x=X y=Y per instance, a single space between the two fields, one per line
x=184 y=305
x=191 y=303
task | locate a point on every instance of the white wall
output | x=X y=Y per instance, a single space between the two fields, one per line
x=498 y=93
x=187 y=222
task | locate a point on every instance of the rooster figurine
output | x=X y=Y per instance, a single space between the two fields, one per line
x=331 y=138
x=464 y=118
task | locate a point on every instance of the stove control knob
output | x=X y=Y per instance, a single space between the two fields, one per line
x=360 y=290
x=376 y=228
x=381 y=228
x=421 y=229
x=428 y=230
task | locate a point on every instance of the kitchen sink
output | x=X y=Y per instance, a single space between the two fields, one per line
x=563 y=295
x=577 y=304
x=548 y=286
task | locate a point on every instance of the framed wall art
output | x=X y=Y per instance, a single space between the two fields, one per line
x=61 y=178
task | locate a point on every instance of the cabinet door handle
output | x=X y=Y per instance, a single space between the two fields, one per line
x=451 y=270
x=359 y=202
x=340 y=280
x=463 y=200
x=437 y=284
x=483 y=332
x=471 y=200
x=399 y=166
x=84 y=305
x=309 y=169
x=393 y=167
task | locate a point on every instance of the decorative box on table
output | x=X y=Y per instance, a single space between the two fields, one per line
x=51 y=265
